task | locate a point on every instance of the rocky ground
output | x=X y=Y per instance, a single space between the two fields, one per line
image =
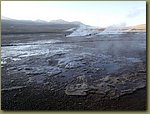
x=51 y=72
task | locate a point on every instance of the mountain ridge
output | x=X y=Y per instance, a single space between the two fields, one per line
x=61 y=21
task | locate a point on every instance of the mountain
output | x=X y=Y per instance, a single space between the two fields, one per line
x=59 y=21
x=76 y=22
x=141 y=26
x=41 y=21
x=6 y=18
x=11 y=26
x=137 y=28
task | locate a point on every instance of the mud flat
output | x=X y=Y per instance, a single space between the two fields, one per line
x=53 y=72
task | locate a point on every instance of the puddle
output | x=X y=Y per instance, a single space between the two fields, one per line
x=111 y=67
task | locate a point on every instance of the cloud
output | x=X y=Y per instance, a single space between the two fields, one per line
x=136 y=12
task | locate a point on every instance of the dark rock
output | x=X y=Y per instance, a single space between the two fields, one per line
x=52 y=62
x=77 y=89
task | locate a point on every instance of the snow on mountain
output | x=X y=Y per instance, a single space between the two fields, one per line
x=6 y=18
x=59 y=21
x=40 y=21
x=71 y=29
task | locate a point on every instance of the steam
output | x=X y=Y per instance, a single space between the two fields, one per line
x=132 y=15
x=132 y=18
x=114 y=29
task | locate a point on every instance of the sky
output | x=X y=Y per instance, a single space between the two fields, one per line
x=95 y=13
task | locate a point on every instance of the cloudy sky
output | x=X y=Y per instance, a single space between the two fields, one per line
x=95 y=13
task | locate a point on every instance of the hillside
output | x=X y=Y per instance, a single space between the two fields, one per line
x=27 y=26
x=136 y=28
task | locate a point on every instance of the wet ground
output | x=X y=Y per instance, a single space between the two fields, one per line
x=48 y=71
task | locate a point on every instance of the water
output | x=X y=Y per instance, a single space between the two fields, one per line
x=22 y=50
